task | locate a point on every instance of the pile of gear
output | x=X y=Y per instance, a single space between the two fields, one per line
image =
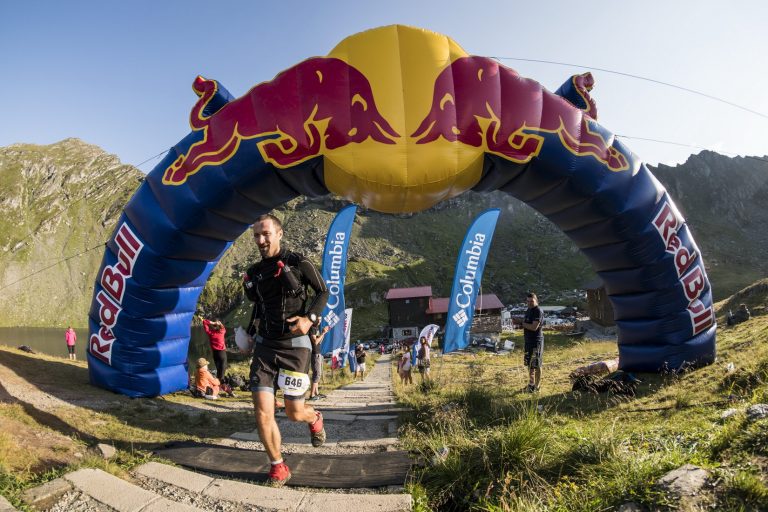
x=617 y=383
x=604 y=377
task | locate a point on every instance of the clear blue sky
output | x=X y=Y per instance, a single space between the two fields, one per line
x=118 y=74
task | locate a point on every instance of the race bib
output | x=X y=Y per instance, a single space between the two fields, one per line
x=293 y=383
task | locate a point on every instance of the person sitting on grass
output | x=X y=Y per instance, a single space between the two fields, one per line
x=205 y=382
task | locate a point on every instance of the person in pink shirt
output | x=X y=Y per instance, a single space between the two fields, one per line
x=216 y=331
x=71 y=337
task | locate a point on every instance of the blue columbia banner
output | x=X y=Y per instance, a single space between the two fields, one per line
x=334 y=274
x=466 y=281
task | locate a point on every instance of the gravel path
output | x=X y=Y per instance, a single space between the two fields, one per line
x=357 y=431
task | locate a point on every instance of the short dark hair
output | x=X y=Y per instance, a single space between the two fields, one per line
x=269 y=216
x=532 y=295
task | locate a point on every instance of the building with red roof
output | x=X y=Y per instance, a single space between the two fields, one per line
x=486 y=320
x=411 y=309
x=408 y=311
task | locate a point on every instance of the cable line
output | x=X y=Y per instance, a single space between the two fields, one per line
x=638 y=77
x=681 y=144
x=53 y=265
x=85 y=196
x=90 y=193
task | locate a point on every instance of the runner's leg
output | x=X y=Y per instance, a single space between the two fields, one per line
x=297 y=410
x=269 y=433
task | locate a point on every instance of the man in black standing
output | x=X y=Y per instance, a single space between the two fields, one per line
x=282 y=347
x=534 y=342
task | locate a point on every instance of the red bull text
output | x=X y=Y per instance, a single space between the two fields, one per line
x=667 y=222
x=113 y=280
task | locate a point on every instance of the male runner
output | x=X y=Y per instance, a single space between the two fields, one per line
x=281 y=345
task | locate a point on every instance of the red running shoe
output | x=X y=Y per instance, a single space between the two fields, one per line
x=278 y=475
x=317 y=431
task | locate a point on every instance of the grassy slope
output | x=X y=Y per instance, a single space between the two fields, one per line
x=573 y=451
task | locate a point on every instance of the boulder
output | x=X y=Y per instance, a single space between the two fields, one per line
x=631 y=506
x=106 y=451
x=757 y=412
x=686 y=480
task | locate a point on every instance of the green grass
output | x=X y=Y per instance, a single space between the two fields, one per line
x=744 y=490
x=566 y=451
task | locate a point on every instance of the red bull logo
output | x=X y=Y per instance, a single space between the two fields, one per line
x=320 y=104
x=480 y=103
x=397 y=133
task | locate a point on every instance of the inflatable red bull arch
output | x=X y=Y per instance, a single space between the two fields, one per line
x=396 y=119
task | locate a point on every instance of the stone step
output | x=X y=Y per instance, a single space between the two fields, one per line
x=206 y=493
x=5 y=505
x=269 y=498
x=116 y=494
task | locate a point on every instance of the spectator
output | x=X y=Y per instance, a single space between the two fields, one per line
x=423 y=359
x=206 y=383
x=404 y=368
x=534 y=342
x=216 y=331
x=360 y=360
x=71 y=337
x=317 y=363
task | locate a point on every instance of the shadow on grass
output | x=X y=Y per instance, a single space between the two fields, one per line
x=69 y=383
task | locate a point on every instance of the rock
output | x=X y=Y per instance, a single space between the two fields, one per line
x=686 y=480
x=757 y=412
x=631 y=506
x=728 y=413
x=440 y=455
x=44 y=496
x=5 y=505
x=106 y=451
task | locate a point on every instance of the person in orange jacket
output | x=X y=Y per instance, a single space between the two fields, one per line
x=206 y=383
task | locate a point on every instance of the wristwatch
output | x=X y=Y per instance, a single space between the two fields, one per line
x=312 y=317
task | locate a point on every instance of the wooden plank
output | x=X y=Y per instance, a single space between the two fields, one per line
x=309 y=470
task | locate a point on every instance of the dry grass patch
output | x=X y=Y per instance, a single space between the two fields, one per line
x=27 y=448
